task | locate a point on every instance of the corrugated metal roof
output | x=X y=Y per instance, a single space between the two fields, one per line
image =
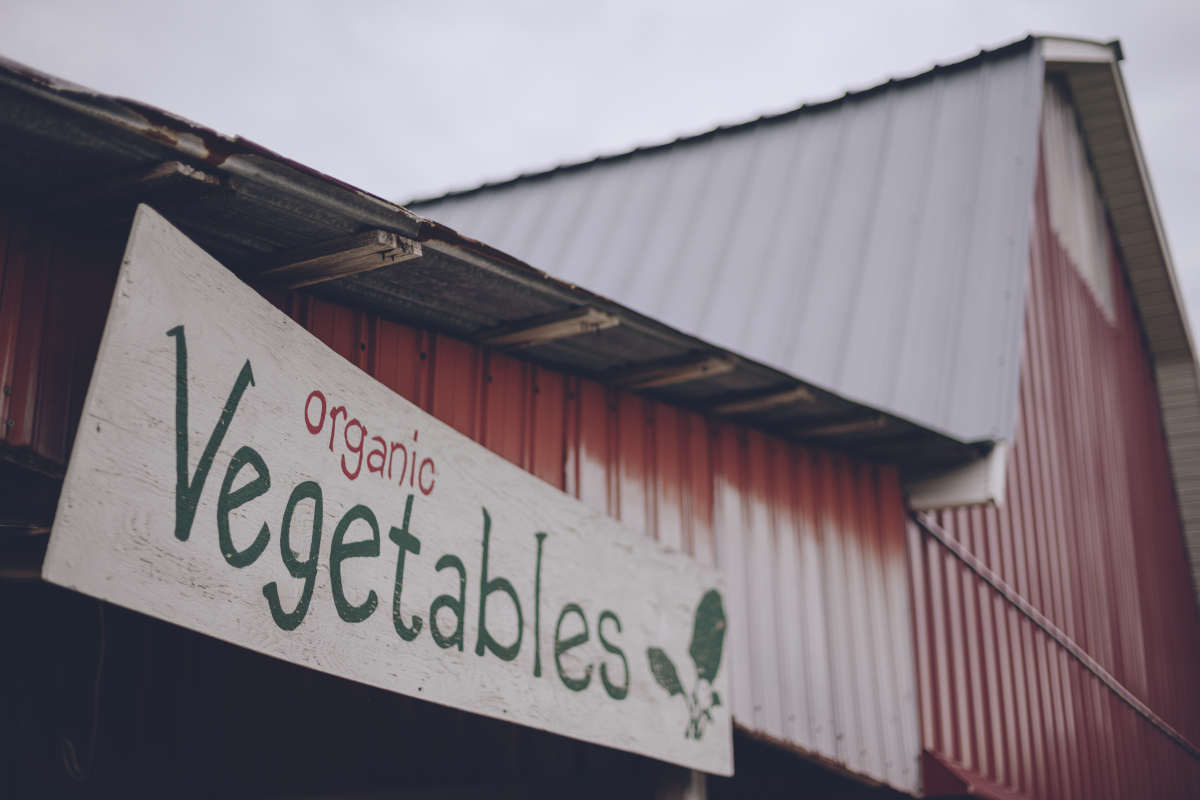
x=875 y=245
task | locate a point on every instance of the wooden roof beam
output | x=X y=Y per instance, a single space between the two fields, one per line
x=765 y=402
x=548 y=328
x=657 y=374
x=335 y=258
x=844 y=428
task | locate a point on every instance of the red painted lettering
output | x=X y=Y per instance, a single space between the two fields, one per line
x=314 y=429
x=392 y=460
x=380 y=457
x=381 y=452
x=427 y=462
x=358 y=448
x=333 y=412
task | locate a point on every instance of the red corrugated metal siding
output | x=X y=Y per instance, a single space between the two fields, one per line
x=812 y=543
x=54 y=291
x=648 y=464
x=1090 y=536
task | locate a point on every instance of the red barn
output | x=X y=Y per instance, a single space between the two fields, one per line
x=908 y=367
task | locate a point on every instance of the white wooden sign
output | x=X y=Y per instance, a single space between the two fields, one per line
x=233 y=475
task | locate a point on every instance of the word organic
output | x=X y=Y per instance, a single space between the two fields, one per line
x=385 y=453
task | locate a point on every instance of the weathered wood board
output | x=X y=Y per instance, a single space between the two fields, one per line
x=233 y=475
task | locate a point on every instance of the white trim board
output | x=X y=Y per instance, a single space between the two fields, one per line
x=981 y=481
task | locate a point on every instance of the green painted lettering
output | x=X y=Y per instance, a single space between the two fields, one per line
x=307 y=570
x=615 y=692
x=339 y=551
x=537 y=609
x=228 y=501
x=486 y=587
x=561 y=646
x=187 y=493
x=408 y=544
x=456 y=604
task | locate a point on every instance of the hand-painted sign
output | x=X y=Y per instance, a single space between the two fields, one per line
x=233 y=475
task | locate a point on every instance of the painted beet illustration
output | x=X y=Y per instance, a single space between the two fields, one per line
x=708 y=637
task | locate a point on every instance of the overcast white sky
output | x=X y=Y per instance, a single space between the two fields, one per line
x=409 y=99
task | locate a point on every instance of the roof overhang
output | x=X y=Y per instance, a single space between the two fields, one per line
x=90 y=158
x=1091 y=71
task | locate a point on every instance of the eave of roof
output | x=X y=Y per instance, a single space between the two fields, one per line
x=1091 y=71
x=58 y=139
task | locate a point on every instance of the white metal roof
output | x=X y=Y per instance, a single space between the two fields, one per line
x=875 y=245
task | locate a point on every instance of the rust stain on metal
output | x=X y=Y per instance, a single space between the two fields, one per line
x=811 y=542
x=197 y=141
x=216 y=148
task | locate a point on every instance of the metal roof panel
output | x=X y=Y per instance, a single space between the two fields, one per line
x=818 y=242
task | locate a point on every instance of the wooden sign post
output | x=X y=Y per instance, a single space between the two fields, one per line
x=233 y=475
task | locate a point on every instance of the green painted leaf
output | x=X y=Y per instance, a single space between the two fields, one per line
x=708 y=635
x=664 y=671
x=716 y=700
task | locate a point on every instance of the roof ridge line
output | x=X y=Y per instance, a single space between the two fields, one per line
x=1005 y=49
